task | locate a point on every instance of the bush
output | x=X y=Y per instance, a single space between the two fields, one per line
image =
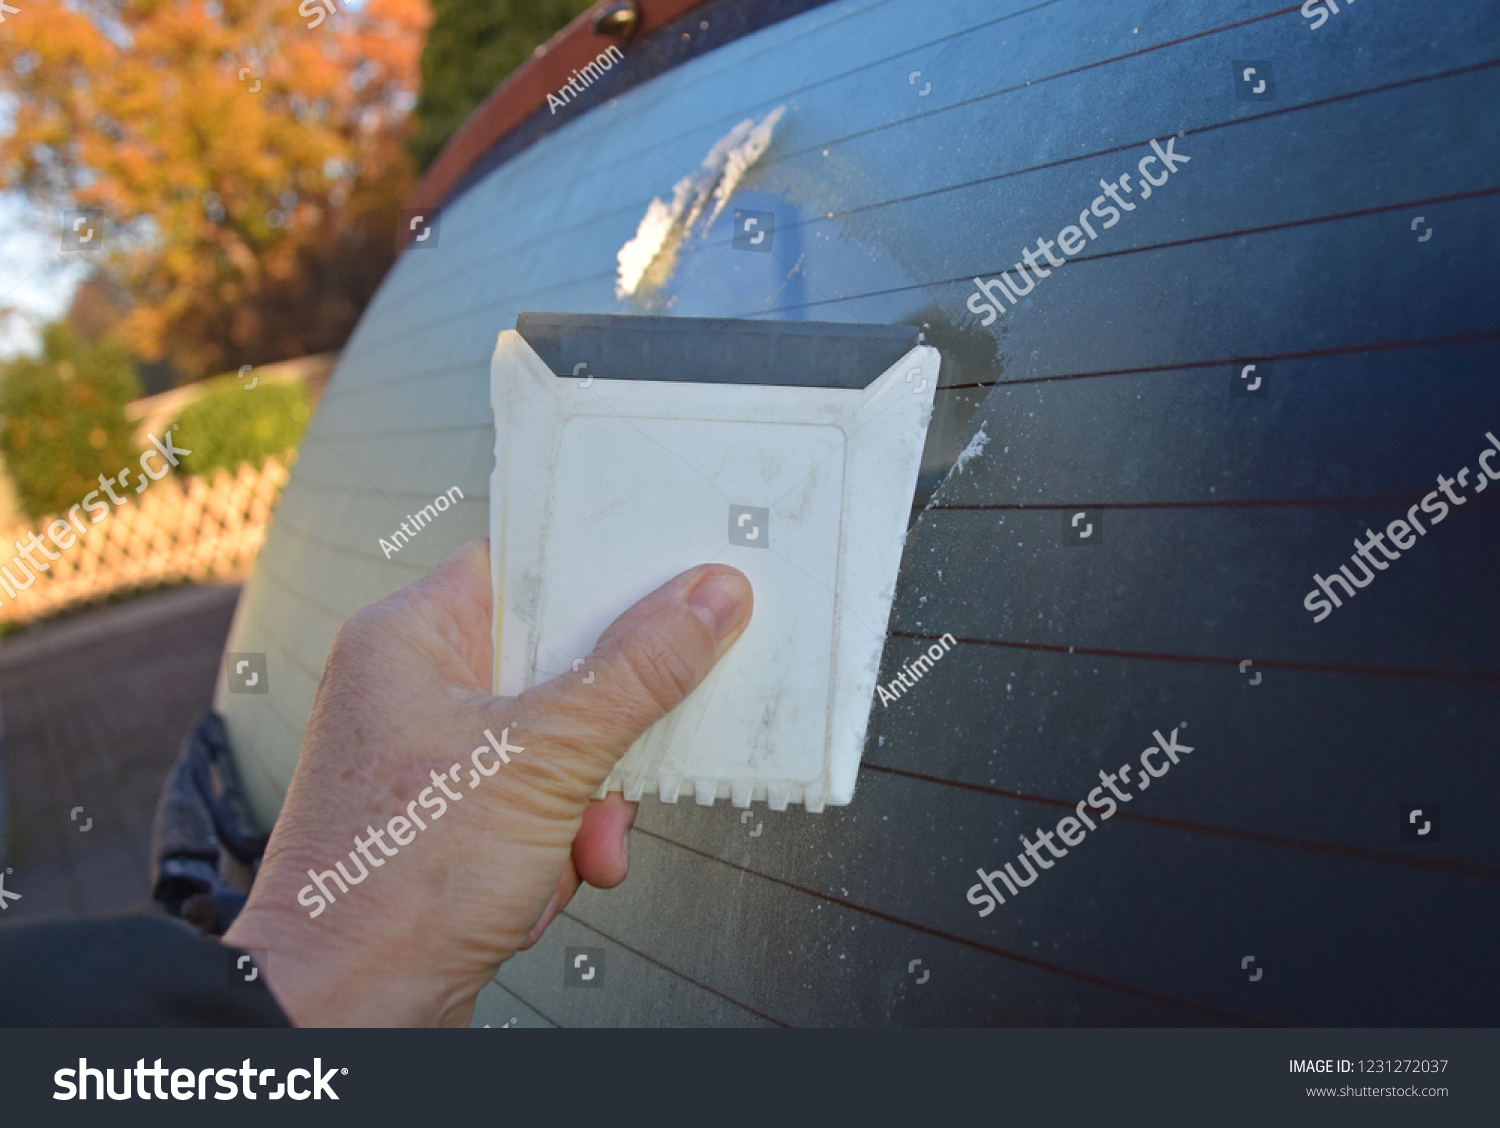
x=231 y=424
x=65 y=419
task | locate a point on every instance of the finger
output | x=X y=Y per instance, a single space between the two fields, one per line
x=601 y=852
x=567 y=885
x=645 y=664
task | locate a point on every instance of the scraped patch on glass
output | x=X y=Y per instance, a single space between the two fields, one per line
x=629 y=449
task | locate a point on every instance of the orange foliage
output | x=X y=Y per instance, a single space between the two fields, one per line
x=248 y=225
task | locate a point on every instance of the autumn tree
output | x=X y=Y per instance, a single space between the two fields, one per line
x=250 y=168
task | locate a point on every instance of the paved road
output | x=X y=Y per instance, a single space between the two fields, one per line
x=94 y=707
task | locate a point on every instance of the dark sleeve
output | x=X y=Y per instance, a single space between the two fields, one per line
x=126 y=971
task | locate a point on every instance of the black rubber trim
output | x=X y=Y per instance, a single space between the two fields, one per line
x=715 y=350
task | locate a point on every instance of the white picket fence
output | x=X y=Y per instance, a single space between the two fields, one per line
x=180 y=529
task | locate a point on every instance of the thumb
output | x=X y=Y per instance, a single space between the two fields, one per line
x=644 y=664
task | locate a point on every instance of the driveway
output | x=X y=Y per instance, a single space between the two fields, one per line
x=94 y=706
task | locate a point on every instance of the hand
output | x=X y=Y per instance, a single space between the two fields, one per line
x=404 y=700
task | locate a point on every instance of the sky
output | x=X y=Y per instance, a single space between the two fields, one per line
x=34 y=273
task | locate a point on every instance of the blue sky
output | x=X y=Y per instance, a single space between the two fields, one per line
x=34 y=274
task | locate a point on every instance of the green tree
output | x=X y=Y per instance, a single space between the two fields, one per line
x=231 y=424
x=64 y=418
x=472 y=45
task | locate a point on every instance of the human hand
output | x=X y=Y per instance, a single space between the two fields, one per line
x=405 y=698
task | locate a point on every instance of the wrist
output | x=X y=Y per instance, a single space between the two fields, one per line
x=323 y=978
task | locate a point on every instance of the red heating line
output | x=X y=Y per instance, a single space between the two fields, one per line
x=686 y=978
x=1218 y=1014
x=1482 y=677
x=1342 y=350
x=1060 y=162
x=1457 y=866
x=526 y=89
x=1243 y=503
x=1361 y=213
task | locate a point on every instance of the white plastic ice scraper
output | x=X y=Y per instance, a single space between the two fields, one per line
x=629 y=449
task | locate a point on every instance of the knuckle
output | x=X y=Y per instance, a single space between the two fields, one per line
x=660 y=670
x=357 y=632
x=563 y=759
x=559 y=774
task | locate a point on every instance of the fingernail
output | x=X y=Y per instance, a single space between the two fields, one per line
x=625 y=848
x=720 y=601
